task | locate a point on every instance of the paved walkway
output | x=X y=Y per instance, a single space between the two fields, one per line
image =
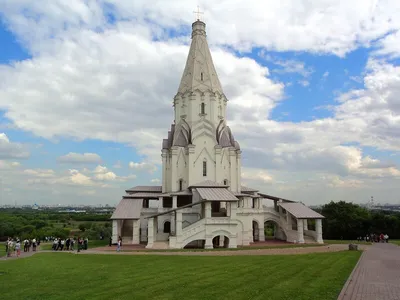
x=376 y=276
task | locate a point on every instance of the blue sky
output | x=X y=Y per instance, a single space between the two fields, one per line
x=106 y=72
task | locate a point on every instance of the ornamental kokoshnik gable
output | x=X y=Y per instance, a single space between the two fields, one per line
x=201 y=202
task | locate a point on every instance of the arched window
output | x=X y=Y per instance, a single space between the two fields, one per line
x=203 y=109
x=204 y=168
x=167 y=227
x=180 y=184
x=225 y=182
x=201 y=76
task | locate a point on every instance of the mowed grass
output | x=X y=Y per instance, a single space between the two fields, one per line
x=73 y=276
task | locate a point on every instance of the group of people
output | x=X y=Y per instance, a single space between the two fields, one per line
x=14 y=246
x=375 y=238
x=69 y=243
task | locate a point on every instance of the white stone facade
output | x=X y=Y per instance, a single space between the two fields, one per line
x=201 y=201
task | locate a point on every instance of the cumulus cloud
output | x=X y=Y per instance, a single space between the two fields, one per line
x=11 y=150
x=88 y=78
x=78 y=158
x=143 y=166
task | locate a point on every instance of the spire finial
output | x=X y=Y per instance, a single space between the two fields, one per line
x=198 y=13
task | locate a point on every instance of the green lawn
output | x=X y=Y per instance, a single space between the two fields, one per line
x=396 y=242
x=309 y=276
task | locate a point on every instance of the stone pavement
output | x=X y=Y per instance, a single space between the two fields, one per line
x=376 y=276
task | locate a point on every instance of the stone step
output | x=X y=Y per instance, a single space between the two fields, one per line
x=161 y=245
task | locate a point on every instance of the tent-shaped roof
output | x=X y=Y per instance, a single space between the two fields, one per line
x=128 y=209
x=216 y=194
x=300 y=211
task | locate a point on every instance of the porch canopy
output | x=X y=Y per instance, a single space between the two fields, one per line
x=128 y=209
x=300 y=211
x=216 y=194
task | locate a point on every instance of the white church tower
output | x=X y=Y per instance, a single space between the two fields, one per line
x=201 y=202
x=200 y=146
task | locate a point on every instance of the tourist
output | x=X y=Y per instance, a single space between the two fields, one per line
x=55 y=243
x=72 y=244
x=119 y=243
x=18 y=248
x=34 y=244
x=110 y=242
x=381 y=238
x=386 y=238
x=9 y=247
x=62 y=244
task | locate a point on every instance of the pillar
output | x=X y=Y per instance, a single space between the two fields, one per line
x=208 y=244
x=150 y=233
x=300 y=232
x=289 y=220
x=218 y=169
x=305 y=223
x=221 y=240
x=178 y=223
x=164 y=168
x=239 y=170
x=173 y=230
x=114 y=231
x=276 y=206
x=174 y=168
x=160 y=203
x=233 y=170
x=261 y=233
x=136 y=234
x=318 y=229
x=174 y=202
x=191 y=159
x=208 y=210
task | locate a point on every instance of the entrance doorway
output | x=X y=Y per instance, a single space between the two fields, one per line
x=273 y=231
x=220 y=241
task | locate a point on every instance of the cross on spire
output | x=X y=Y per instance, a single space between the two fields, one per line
x=198 y=13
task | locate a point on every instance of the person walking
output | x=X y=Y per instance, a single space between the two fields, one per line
x=110 y=242
x=119 y=245
x=18 y=248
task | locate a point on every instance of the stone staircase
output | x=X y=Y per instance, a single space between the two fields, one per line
x=160 y=245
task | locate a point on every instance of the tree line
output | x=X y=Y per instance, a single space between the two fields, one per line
x=39 y=224
x=347 y=221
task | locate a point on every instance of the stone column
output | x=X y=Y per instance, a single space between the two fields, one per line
x=164 y=169
x=208 y=244
x=173 y=230
x=239 y=170
x=318 y=229
x=160 y=203
x=221 y=240
x=289 y=220
x=300 y=232
x=174 y=202
x=178 y=228
x=276 y=206
x=191 y=177
x=114 y=231
x=261 y=233
x=208 y=210
x=174 y=164
x=305 y=223
x=136 y=235
x=150 y=233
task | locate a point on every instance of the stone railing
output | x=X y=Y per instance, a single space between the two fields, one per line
x=193 y=229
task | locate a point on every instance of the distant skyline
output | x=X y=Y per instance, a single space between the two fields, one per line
x=86 y=93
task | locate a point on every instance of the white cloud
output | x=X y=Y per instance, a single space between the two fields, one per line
x=7 y=165
x=143 y=166
x=256 y=175
x=10 y=150
x=155 y=180
x=79 y=63
x=77 y=158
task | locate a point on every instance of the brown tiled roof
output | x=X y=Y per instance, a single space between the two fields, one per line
x=247 y=189
x=209 y=183
x=216 y=194
x=145 y=188
x=143 y=195
x=300 y=211
x=128 y=209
